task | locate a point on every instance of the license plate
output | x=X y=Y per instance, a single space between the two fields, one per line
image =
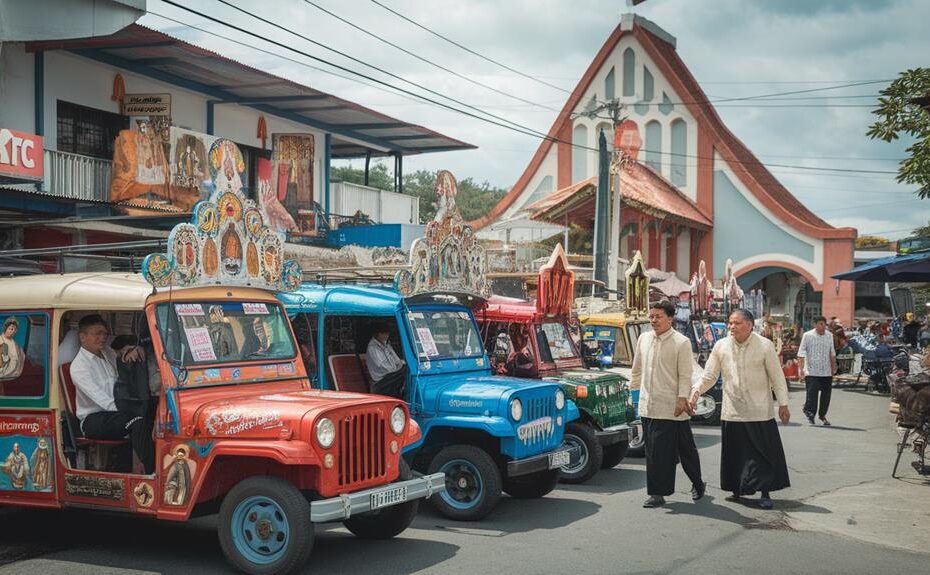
x=559 y=459
x=388 y=497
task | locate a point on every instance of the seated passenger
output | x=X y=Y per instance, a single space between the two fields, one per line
x=520 y=363
x=388 y=372
x=94 y=373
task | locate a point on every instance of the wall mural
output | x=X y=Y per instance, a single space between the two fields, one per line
x=448 y=258
x=227 y=241
x=292 y=176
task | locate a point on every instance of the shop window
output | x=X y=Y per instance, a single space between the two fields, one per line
x=23 y=354
x=88 y=131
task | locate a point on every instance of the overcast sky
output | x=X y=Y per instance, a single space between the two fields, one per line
x=735 y=48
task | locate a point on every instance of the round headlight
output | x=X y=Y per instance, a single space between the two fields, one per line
x=516 y=409
x=398 y=420
x=559 y=399
x=325 y=433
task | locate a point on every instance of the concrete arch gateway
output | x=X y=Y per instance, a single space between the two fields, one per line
x=696 y=191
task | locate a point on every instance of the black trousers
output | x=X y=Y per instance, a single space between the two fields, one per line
x=752 y=457
x=822 y=386
x=669 y=442
x=115 y=425
x=392 y=384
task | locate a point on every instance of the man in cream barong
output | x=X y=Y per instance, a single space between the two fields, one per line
x=752 y=457
x=662 y=367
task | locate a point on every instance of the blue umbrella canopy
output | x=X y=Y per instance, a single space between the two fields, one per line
x=903 y=268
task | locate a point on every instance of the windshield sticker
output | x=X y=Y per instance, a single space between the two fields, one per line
x=254 y=309
x=189 y=309
x=479 y=362
x=426 y=340
x=212 y=373
x=416 y=315
x=464 y=315
x=286 y=369
x=201 y=344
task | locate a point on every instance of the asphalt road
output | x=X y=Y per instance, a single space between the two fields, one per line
x=598 y=528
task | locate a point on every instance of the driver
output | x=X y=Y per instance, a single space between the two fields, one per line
x=388 y=372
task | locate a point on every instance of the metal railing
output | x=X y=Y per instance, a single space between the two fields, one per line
x=76 y=177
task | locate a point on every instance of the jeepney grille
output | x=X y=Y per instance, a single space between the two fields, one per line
x=361 y=448
x=539 y=417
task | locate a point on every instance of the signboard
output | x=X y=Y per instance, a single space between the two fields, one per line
x=627 y=139
x=146 y=105
x=21 y=155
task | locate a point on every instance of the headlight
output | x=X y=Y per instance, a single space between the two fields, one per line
x=325 y=433
x=398 y=420
x=612 y=389
x=559 y=399
x=516 y=409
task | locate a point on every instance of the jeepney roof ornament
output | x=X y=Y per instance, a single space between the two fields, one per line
x=556 y=285
x=226 y=241
x=448 y=259
x=732 y=293
x=637 y=287
x=702 y=291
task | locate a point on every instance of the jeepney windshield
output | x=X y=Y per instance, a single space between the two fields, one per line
x=554 y=338
x=444 y=334
x=213 y=332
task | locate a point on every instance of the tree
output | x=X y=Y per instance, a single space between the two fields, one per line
x=899 y=114
x=922 y=232
x=865 y=242
x=378 y=176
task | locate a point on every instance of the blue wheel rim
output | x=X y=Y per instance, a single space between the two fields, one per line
x=260 y=530
x=464 y=486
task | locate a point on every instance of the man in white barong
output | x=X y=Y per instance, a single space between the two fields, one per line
x=752 y=457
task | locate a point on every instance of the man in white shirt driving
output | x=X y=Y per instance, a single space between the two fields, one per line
x=388 y=372
x=94 y=374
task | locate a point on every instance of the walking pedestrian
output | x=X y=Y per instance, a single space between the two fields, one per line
x=817 y=359
x=752 y=457
x=662 y=366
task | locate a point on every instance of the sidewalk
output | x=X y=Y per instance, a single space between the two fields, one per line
x=890 y=512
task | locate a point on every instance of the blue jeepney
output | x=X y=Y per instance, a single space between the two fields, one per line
x=488 y=433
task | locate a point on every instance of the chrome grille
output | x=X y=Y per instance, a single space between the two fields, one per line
x=535 y=412
x=361 y=448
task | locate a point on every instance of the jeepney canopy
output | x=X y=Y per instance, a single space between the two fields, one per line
x=608 y=319
x=87 y=290
x=343 y=299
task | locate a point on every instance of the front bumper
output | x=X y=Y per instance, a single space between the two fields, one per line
x=614 y=435
x=536 y=463
x=349 y=504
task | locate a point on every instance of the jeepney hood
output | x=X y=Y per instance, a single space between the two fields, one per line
x=606 y=397
x=269 y=413
x=480 y=394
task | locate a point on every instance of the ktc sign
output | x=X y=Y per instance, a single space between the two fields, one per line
x=21 y=155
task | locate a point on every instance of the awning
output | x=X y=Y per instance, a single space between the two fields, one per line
x=906 y=268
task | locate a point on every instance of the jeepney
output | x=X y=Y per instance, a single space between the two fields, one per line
x=487 y=433
x=601 y=436
x=237 y=428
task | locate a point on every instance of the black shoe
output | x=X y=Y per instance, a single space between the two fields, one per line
x=765 y=503
x=810 y=417
x=824 y=421
x=733 y=497
x=697 y=490
x=654 y=501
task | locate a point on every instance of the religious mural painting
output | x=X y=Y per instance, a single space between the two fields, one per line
x=27 y=462
x=291 y=180
x=12 y=356
x=449 y=257
x=227 y=241
x=637 y=287
x=702 y=291
x=179 y=471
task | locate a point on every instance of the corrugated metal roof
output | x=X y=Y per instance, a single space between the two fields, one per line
x=356 y=129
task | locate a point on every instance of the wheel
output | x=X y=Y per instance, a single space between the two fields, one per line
x=581 y=437
x=637 y=446
x=614 y=454
x=473 y=482
x=711 y=418
x=388 y=522
x=265 y=527
x=532 y=486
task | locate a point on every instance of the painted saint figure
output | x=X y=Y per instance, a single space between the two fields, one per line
x=11 y=354
x=41 y=466
x=178 y=482
x=17 y=467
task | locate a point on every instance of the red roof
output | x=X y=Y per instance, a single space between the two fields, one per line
x=641 y=187
x=757 y=179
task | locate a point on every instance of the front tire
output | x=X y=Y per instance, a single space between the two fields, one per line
x=582 y=437
x=614 y=454
x=473 y=482
x=265 y=527
x=532 y=486
x=388 y=522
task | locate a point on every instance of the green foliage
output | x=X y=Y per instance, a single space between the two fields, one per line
x=580 y=240
x=863 y=242
x=922 y=232
x=474 y=200
x=898 y=114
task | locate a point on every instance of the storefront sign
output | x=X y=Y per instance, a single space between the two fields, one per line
x=21 y=155
x=146 y=105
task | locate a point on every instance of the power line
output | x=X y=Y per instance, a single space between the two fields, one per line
x=513 y=126
x=430 y=62
x=469 y=50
